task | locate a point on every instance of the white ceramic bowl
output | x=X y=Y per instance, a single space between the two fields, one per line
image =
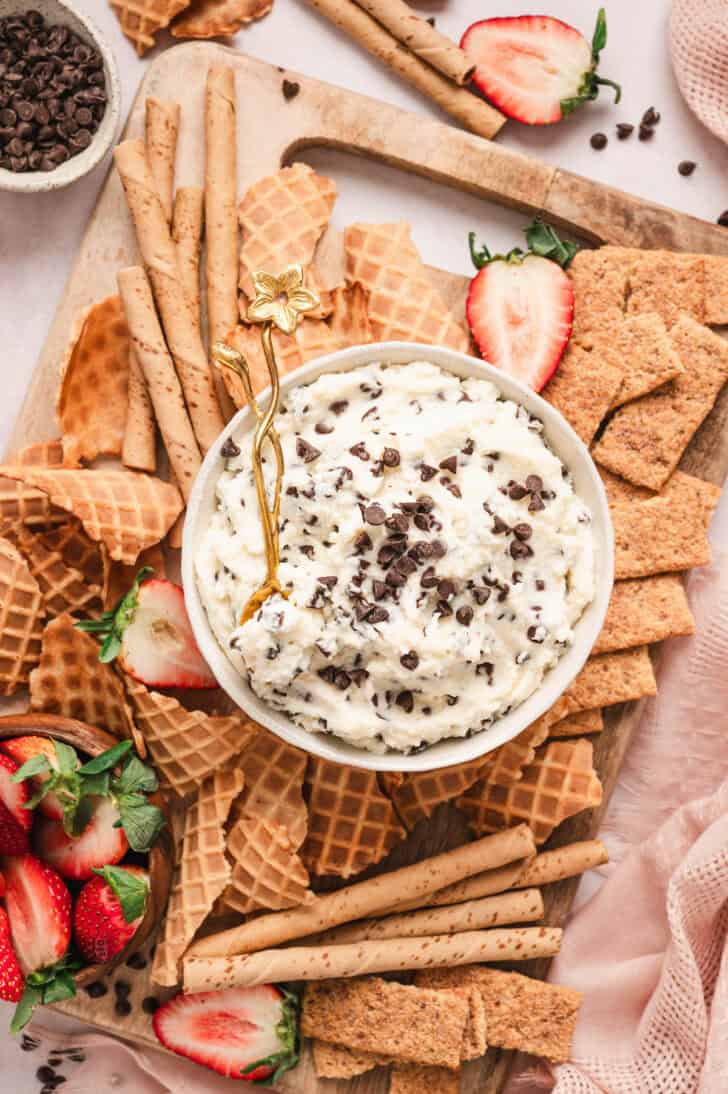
x=64 y=13
x=587 y=483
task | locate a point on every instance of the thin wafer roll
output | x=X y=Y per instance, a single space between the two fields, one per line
x=160 y=259
x=365 y=958
x=187 y=219
x=221 y=191
x=421 y=38
x=140 y=448
x=161 y=127
x=366 y=898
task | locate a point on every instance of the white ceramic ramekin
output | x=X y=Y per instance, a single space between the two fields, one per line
x=588 y=486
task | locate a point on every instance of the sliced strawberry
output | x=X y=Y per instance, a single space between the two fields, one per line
x=535 y=68
x=11 y=977
x=14 y=795
x=108 y=911
x=150 y=633
x=22 y=749
x=14 y=840
x=242 y=1033
x=76 y=858
x=520 y=310
x=2 y=885
x=39 y=910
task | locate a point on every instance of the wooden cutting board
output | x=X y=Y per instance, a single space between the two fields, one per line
x=271 y=132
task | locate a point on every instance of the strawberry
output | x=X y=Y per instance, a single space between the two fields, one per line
x=22 y=749
x=108 y=911
x=520 y=306
x=39 y=910
x=2 y=885
x=11 y=978
x=150 y=633
x=99 y=844
x=242 y=1033
x=535 y=68
x=15 y=819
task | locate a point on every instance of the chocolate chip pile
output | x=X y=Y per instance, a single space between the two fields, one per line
x=52 y=93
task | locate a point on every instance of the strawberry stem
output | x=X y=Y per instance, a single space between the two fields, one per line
x=288 y=1055
x=112 y=624
x=591 y=82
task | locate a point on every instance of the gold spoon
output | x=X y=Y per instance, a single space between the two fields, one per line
x=279 y=301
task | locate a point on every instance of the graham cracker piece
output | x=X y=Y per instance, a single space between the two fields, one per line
x=578 y=724
x=412 y=1024
x=643 y=347
x=611 y=678
x=716 y=290
x=523 y=1014
x=584 y=387
x=413 y=1079
x=619 y=489
x=668 y=283
x=645 y=439
x=679 y=485
x=644 y=610
x=661 y=535
x=599 y=278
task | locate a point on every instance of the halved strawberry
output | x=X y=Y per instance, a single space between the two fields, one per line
x=535 y=68
x=15 y=820
x=242 y=1033
x=108 y=911
x=39 y=910
x=22 y=749
x=11 y=978
x=150 y=633
x=99 y=844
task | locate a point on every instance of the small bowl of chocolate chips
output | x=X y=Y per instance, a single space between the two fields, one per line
x=60 y=95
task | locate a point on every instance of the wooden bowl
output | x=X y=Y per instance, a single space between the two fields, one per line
x=92 y=742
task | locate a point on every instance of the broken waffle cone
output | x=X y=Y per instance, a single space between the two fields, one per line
x=186 y=745
x=348 y=325
x=41 y=454
x=93 y=396
x=203 y=873
x=274 y=774
x=558 y=784
x=141 y=20
x=120 y=578
x=71 y=681
x=24 y=504
x=416 y=796
x=218 y=18
x=403 y=304
x=127 y=511
x=505 y=764
x=266 y=871
x=63 y=588
x=282 y=218
x=351 y=824
x=21 y=619
x=78 y=551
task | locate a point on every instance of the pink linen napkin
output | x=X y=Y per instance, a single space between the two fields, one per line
x=699 y=49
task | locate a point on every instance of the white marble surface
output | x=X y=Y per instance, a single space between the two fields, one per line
x=39 y=235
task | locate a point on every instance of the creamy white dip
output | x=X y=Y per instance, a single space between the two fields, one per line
x=435 y=553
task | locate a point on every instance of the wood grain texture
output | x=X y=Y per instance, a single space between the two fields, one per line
x=271 y=132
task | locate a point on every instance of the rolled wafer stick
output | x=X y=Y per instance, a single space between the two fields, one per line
x=488 y=883
x=160 y=259
x=162 y=382
x=365 y=958
x=421 y=38
x=366 y=898
x=161 y=126
x=471 y=111
x=525 y=906
x=140 y=440
x=221 y=214
x=187 y=220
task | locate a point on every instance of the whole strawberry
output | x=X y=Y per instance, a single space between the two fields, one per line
x=11 y=978
x=22 y=749
x=108 y=911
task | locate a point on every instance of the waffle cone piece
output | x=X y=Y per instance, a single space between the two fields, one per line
x=120 y=578
x=282 y=218
x=558 y=784
x=78 y=551
x=348 y=325
x=246 y=339
x=404 y=305
x=351 y=824
x=41 y=454
x=505 y=764
x=274 y=773
x=141 y=20
x=266 y=870
x=187 y=746
x=93 y=396
x=202 y=875
x=63 y=588
x=127 y=511
x=416 y=796
x=21 y=620
x=71 y=681
x=23 y=504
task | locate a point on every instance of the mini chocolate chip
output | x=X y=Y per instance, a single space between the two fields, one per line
x=292 y=491
x=28 y=1043
x=378 y=615
x=464 y=615
x=306 y=451
x=439 y=550
x=398 y=522
x=523 y=531
x=446 y=588
x=449 y=464
x=339 y=406
x=650 y=117
x=396 y=579
x=379 y=589
x=290 y=89
x=520 y=550
x=96 y=989
x=342 y=680
x=77 y=1057
x=686 y=168
x=390 y=457
x=328 y=581
x=536 y=504
x=516 y=491
x=122 y=1007
x=443 y=607
x=499 y=526
x=323 y=428
x=534 y=483
x=468 y=448
x=409 y=660
x=359 y=676
x=480 y=595
x=229 y=450
x=646 y=133
x=44 y=1074
x=422 y=521
x=122 y=988
x=536 y=634
x=454 y=489
x=374 y=514
x=598 y=141
x=137 y=961
x=359 y=450
x=624 y=130
x=485 y=668
x=427 y=472
x=406 y=701
x=405 y=566
x=428 y=578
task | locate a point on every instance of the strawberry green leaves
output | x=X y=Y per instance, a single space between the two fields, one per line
x=268 y=1071
x=132 y=891
x=542 y=240
x=46 y=986
x=112 y=624
x=591 y=82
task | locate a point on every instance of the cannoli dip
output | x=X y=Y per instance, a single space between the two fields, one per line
x=434 y=553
